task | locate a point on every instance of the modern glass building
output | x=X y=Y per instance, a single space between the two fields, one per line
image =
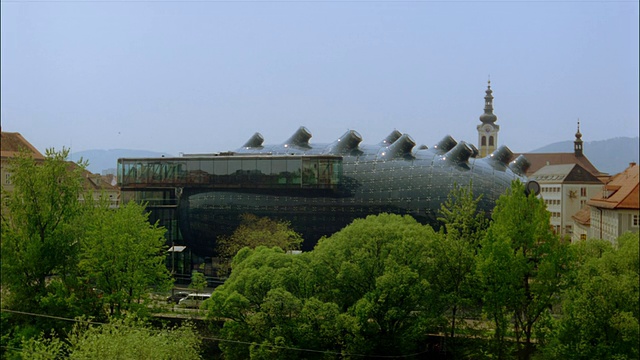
x=319 y=189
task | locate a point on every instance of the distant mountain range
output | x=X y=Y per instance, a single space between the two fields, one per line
x=610 y=156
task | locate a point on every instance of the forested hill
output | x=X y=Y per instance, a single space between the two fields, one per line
x=610 y=156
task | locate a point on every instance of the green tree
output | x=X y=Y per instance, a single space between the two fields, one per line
x=255 y=231
x=120 y=339
x=362 y=290
x=522 y=263
x=600 y=312
x=40 y=231
x=267 y=301
x=377 y=269
x=39 y=225
x=198 y=281
x=123 y=255
x=461 y=218
x=455 y=255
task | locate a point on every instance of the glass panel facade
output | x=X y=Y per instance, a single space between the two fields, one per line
x=310 y=172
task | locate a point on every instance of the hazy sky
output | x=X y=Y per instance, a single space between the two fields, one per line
x=203 y=76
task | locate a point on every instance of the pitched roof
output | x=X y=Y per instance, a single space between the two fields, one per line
x=92 y=181
x=621 y=192
x=539 y=160
x=565 y=173
x=11 y=143
x=583 y=216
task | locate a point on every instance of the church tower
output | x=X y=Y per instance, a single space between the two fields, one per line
x=488 y=130
x=577 y=143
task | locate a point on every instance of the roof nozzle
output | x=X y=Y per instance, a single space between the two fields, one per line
x=254 y=141
x=520 y=165
x=447 y=143
x=501 y=156
x=347 y=142
x=475 y=150
x=460 y=153
x=400 y=148
x=299 y=139
x=391 y=138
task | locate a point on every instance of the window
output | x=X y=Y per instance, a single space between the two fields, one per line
x=635 y=221
x=583 y=236
x=483 y=142
x=583 y=191
x=7 y=178
x=490 y=140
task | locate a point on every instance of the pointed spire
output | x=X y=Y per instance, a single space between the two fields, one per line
x=577 y=143
x=488 y=116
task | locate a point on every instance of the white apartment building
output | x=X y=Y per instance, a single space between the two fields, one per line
x=616 y=210
x=565 y=189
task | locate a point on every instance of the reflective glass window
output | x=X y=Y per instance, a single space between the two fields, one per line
x=194 y=175
x=249 y=169
x=262 y=172
x=279 y=169
x=207 y=166
x=294 y=171
x=264 y=166
x=221 y=174
x=234 y=166
x=310 y=171
x=181 y=171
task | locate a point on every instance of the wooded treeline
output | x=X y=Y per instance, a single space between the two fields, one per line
x=504 y=287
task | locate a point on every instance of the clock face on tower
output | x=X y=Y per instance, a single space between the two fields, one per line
x=487 y=129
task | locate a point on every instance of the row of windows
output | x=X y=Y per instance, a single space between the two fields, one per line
x=555 y=214
x=270 y=172
x=552 y=202
x=550 y=189
x=555 y=189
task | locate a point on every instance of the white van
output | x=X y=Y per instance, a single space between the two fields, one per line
x=193 y=300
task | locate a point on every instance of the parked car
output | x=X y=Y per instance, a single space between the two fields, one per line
x=193 y=300
x=177 y=296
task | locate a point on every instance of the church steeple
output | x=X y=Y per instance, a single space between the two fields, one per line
x=488 y=130
x=488 y=116
x=577 y=143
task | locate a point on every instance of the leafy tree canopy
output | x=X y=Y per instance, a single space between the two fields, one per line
x=40 y=225
x=123 y=255
x=521 y=264
x=368 y=281
x=255 y=231
x=601 y=311
x=120 y=339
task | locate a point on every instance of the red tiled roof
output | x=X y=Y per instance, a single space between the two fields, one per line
x=583 y=216
x=539 y=160
x=11 y=143
x=621 y=192
x=92 y=181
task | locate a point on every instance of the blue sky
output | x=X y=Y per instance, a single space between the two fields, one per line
x=203 y=76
